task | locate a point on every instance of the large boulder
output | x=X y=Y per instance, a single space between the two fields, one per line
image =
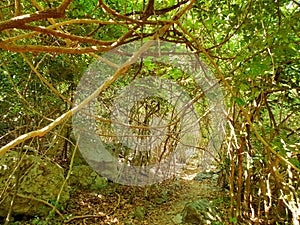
x=200 y=212
x=39 y=179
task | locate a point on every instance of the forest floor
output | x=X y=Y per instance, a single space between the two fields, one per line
x=159 y=204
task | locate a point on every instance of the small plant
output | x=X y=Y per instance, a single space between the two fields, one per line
x=233 y=220
x=38 y=221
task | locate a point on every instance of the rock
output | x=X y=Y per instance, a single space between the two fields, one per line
x=140 y=213
x=99 y=182
x=39 y=179
x=177 y=219
x=200 y=212
x=204 y=175
x=213 y=176
x=84 y=176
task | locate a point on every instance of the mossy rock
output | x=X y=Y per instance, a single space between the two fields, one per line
x=85 y=177
x=200 y=212
x=40 y=179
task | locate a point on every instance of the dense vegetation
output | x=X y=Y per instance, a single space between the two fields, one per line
x=251 y=47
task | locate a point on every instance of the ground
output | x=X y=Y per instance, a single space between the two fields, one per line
x=158 y=204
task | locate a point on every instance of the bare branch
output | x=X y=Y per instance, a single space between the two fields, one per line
x=6 y=6
x=17 y=7
x=64 y=5
x=68 y=36
x=45 y=81
x=149 y=10
x=168 y=9
x=115 y=13
x=159 y=11
x=36 y=5
x=53 y=49
x=20 y=21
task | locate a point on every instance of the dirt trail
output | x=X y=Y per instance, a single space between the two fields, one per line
x=190 y=190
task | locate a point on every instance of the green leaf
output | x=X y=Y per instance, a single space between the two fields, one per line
x=240 y=101
x=233 y=219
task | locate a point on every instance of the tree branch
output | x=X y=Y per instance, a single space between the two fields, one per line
x=115 y=13
x=168 y=9
x=149 y=10
x=68 y=36
x=53 y=49
x=20 y=21
x=17 y=7
x=7 y=6
x=64 y=5
x=159 y=11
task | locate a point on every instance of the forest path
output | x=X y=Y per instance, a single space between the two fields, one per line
x=159 y=204
x=190 y=190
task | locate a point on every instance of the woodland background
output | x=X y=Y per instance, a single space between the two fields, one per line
x=252 y=48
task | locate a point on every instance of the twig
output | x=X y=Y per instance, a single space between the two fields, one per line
x=47 y=83
x=67 y=178
x=84 y=217
x=118 y=203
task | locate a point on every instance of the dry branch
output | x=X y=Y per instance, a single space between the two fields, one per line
x=20 y=21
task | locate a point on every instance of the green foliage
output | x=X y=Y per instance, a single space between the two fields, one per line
x=82 y=9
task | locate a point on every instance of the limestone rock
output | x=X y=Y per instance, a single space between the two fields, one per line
x=39 y=179
x=177 y=219
x=204 y=175
x=200 y=212
x=84 y=176
x=213 y=176
x=140 y=213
